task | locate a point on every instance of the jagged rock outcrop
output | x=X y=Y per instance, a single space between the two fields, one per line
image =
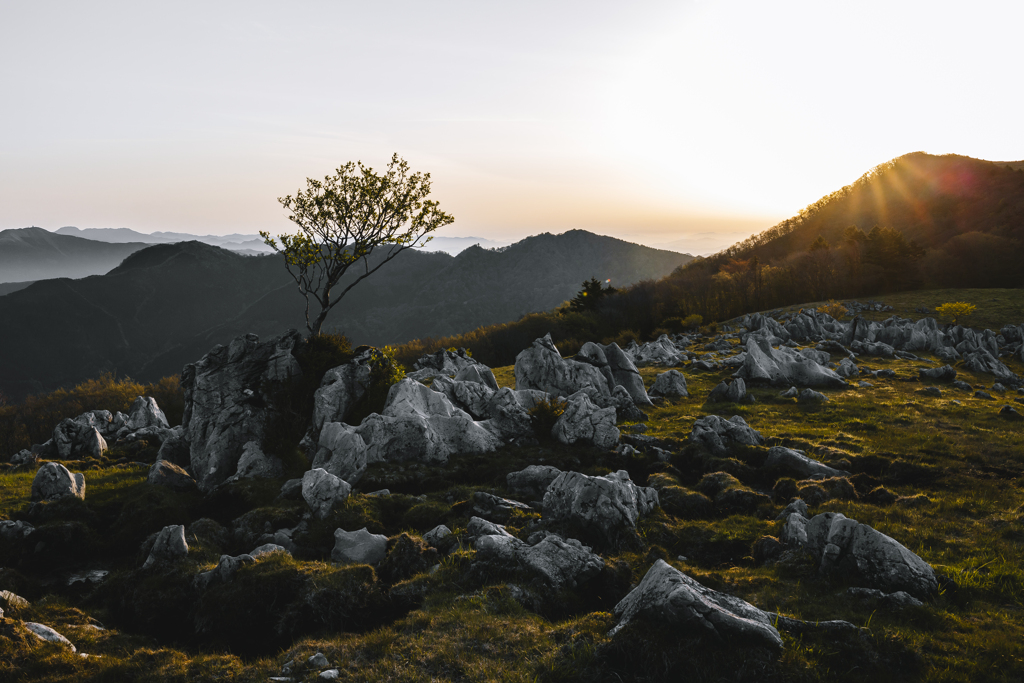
x=582 y=421
x=168 y=548
x=144 y=413
x=358 y=547
x=542 y=368
x=617 y=368
x=794 y=463
x=606 y=507
x=228 y=401
x=175 y=448
x=669 y=596
x=559 y=563
x=784 y=366
x=340 y=390
x=860 y=553
x=719 y=435
x=255 y=464
x=53 y=481
x=478 y=373
x=417 y=424
x=669 y=384
x=984 y=362
x=662 y=351
x=441 y=363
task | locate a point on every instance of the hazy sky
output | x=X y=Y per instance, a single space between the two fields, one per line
x=652 y=121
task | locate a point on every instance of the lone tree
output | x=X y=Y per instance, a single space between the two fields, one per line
x=344 y=218
x=956 y=310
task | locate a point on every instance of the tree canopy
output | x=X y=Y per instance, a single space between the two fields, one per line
x=344 y=218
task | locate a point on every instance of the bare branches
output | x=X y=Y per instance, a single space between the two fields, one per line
x=344 y=217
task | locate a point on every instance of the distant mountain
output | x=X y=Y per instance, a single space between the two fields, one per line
x=167 y=305
x=36 y=254
x=248 y=244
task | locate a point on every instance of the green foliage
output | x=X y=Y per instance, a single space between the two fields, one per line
x=344 y=219
x=545 y=414
x=33 y=420
x=956 y=310
x=385 y=369
x=834 y=309
x=590 y=296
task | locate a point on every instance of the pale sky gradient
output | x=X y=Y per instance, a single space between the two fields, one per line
x=651 y=121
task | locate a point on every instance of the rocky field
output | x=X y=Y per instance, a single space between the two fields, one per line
x=791 y=498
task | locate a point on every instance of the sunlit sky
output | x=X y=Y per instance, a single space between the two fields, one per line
x=657 y=122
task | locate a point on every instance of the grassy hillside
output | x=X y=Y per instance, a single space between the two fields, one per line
x=954 y=468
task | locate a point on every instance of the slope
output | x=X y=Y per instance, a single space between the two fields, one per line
x=37 y=254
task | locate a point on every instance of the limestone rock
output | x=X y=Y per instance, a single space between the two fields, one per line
x=441 y=363
x=669 y=596
x=583 y=421
x=811 y=396
x=669 y=384
x=860 y=553
x=719 y=435
x=44 y=632
x=145 y=413
x=323 y=491
x=438 y=537
x=608 y=507
x=164 y=473
x=24 y=457
x=495 y=508
x=733 y=392
x=847 y=368
x=224 y=571
x=342 y=451
x=897 y=600
x=340 y=390
x=175 y=448
x=78 y=439
x=658 y=352
x=984 y=361
x=359 y=547
x=255 y=464
x=785 y=366
x=795 y=463
x=169 y=547
x=53 y=481
x=15 y=530
x=478 y=373
x=268 y=548
x=532 y=482
x=946 y=373
x=478 y=528
x=228 y=401
x=559 y=563
x=542 y=368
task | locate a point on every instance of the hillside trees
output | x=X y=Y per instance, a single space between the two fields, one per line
x=343 y=219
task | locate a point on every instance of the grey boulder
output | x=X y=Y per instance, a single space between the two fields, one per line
x=255 y=464
x=358 y=547
x=531 y=483
x=668 y=596
x=607 y=507
x=669 y=384
x=795 y=463
x=224 y=572
x=169 y=547
x=54 y=481
x=340 y=390
x=145 y=413
x=164 y=473
x=732 y=392
x=542 y=368
x=784 y=366
x=584 y=422
x=46 y=633
x=323 y=491
x=720 y=435
x=860 y=553
x=557 y=562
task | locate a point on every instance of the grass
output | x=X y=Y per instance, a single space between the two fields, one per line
x=457 y=625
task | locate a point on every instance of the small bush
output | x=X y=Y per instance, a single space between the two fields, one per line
x=956 y=310
x=545 y=414
x=834 y=309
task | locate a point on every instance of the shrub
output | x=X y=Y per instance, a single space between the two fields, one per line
x=956 y=310
x=834 y=309
x=545 y=414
